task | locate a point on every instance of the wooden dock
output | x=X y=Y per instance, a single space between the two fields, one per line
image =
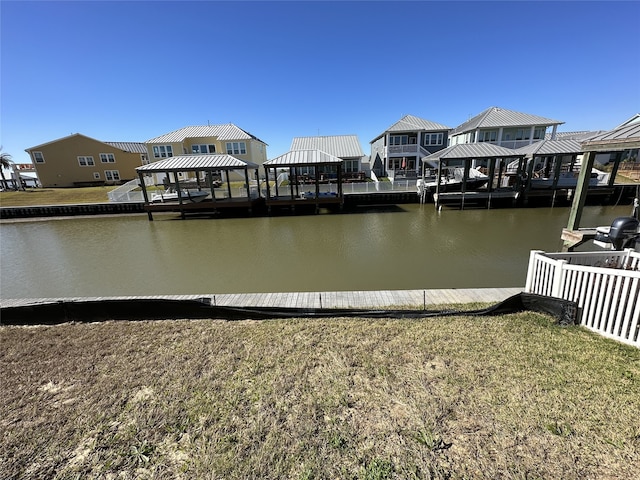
x=379 y=299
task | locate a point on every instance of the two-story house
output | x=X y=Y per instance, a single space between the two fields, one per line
x=397 y=152
x=78 y=160
x=503 y=127
x=208 y=139
x=345 y=147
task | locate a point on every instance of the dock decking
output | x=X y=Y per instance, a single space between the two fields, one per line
x=379 y=299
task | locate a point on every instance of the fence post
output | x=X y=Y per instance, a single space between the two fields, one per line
x=531 y=270
x=558 y=278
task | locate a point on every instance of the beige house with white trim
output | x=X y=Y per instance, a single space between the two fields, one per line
x=80 y=161
x=208 y=139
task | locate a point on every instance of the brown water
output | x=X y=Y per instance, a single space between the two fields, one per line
x=404 y=247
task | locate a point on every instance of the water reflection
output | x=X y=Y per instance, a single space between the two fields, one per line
x=404 y=247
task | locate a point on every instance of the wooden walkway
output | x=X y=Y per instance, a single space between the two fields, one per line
x=379 y=299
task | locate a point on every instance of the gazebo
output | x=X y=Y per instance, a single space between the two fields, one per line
x=487 y=157
x=304 y=177
x=624 y=138
x=207 y=169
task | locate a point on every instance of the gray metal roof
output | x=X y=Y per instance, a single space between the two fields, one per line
x=472 y=150
x=625 y=137
x=551 y=147
x=132 y=147
x=185 y=163
x=225 y=132
x=410 y=123
x=579 y=136
x=495 y=117
x=342 y=146
x=302 y=157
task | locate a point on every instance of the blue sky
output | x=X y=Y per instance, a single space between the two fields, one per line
x=130 y=71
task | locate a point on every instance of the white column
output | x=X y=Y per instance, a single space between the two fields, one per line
x=533 y=129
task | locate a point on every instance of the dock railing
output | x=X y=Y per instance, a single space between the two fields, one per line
x=605 y=285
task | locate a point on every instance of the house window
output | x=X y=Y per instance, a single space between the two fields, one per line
x=539 y=133
x=96 y=175
x=488 y=136
x=38 y=157
x=433 y=138
x=86 y=161
x=236 y=148
x=203 y=148
x=162 y=151
x=523 y=133
x=350 y=165
x=112 y=175
x=107 y=158
x=398 y=139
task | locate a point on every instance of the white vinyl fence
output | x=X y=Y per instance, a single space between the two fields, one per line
x=605 y=285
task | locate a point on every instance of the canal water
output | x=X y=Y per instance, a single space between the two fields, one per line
x=387 y=248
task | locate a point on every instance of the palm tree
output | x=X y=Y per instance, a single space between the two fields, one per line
x=5 y=162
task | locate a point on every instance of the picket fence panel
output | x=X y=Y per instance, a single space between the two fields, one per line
x=608 y=298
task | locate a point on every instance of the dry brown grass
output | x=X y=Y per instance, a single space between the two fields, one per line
x=510 y=397
x=54 y=196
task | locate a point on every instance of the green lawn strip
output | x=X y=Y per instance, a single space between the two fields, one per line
x=54 y=196
x=512 y=396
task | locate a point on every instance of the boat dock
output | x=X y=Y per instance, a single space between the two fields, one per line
x=380 y=299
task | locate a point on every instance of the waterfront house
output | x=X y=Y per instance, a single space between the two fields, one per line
x=345 y=147
x=227 y=139
x=208 y=139
x=397 y=152
x=78 y=160
x=506 y=128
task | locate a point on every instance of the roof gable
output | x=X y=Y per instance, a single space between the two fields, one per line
x=228 y=131
x=495 y=117
x=342 y=146
x=411 y=123
x=129 y=147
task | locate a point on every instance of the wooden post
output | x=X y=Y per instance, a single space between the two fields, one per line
x=228 y=184
x=144 y=194
x=266 y=178
x=291 y=182
x=246 y=179
x=179 y=190
x=465 y=177
x=438 y=183
x=581 y=191
x=557 y=167
x=213 y=191
x=492 y=173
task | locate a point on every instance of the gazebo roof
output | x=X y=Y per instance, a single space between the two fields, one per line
x=624 y=137
x=185 y=163
x=551 y=147
x=302 y=158
x=472 y=150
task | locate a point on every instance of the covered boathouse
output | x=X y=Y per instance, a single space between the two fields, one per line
x=191 y=176
x=303 y=178
x=472 y=173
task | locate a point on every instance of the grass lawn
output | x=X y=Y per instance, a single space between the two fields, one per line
x=510 y=397
x=54 y=196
